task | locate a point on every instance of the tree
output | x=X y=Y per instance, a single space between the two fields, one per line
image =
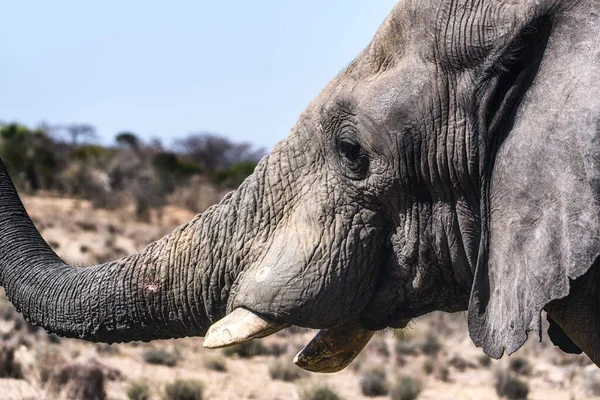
x=213 y=152
x=128 y=140
x=29 y=155
x=83 y=132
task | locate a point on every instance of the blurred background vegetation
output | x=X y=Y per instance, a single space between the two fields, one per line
x=67 y=160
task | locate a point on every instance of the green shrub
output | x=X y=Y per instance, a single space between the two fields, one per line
x=171 y=164
x=29 y=156
x=321 y=393
x=373 y=383
x=443 y=374
x=235 y=174
x=216 y=364
x=431 y=345
x=91 y=151
x=78 y=381
x=407 y=388
x=428 y=366
x=511 y=387
x=484 y=360
x=520 y=366
x=246 y=350
x=406 y=348
x=127 y=140
x=184 y=390
x=159 y=357
x=138 y=390
x=9 y=366
x=277 y=349
x=284 y=371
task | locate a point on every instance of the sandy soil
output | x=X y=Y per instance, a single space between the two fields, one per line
x=83 y=235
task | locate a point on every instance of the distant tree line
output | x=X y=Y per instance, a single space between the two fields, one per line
x=147 y=173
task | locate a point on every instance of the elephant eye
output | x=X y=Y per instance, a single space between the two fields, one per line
x=354 y=160
x=350 y=150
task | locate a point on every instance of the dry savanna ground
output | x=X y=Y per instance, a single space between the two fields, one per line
x=432 y=359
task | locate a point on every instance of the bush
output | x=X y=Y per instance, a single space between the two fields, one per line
x=431 y=345
x=184 y=390
x=520 y=366
x=128 y=140
x=49 y=360
x=29 y=156
x=247 y=350
x=53 y=338
x=428 y=366
x=107 y=349
x=9 y=367
x=380 y=347
x=406 y=348
x=443 y=374
x=511 y=387
x=91 y=151
x=277 y=349
x=78 y=381
x=484 y=360
x=460 y=363
x=235 y=174
x=373 y=383
x=159 y=357
x=138 y=390
x=216 y=364
x=321 y=393
x=407 y=388
x=7 y=310
x=284 y=371
x=196 y=195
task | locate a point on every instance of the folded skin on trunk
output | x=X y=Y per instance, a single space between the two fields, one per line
x=175 y=287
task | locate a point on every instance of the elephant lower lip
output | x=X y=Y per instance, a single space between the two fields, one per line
x=376 y=324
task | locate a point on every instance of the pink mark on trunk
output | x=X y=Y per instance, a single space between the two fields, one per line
x=150 y=286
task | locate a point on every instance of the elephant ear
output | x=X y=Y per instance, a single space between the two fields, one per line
x=541 y=204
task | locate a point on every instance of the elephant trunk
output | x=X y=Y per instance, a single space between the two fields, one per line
x=174 y=287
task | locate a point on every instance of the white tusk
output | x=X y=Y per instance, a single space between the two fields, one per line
x=240 y=326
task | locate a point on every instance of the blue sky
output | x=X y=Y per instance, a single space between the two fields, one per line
x=245 y=69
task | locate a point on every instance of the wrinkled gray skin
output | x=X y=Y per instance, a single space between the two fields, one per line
x=453 y=165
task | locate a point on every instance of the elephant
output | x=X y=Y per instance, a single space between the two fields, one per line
x=454 y=165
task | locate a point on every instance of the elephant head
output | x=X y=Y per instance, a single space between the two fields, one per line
x=453 y=165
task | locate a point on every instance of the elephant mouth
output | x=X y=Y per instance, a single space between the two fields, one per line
x=331 y=350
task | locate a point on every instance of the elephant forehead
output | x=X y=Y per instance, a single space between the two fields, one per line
x=394 y=100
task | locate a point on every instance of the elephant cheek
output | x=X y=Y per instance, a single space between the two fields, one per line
x=306 y=283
